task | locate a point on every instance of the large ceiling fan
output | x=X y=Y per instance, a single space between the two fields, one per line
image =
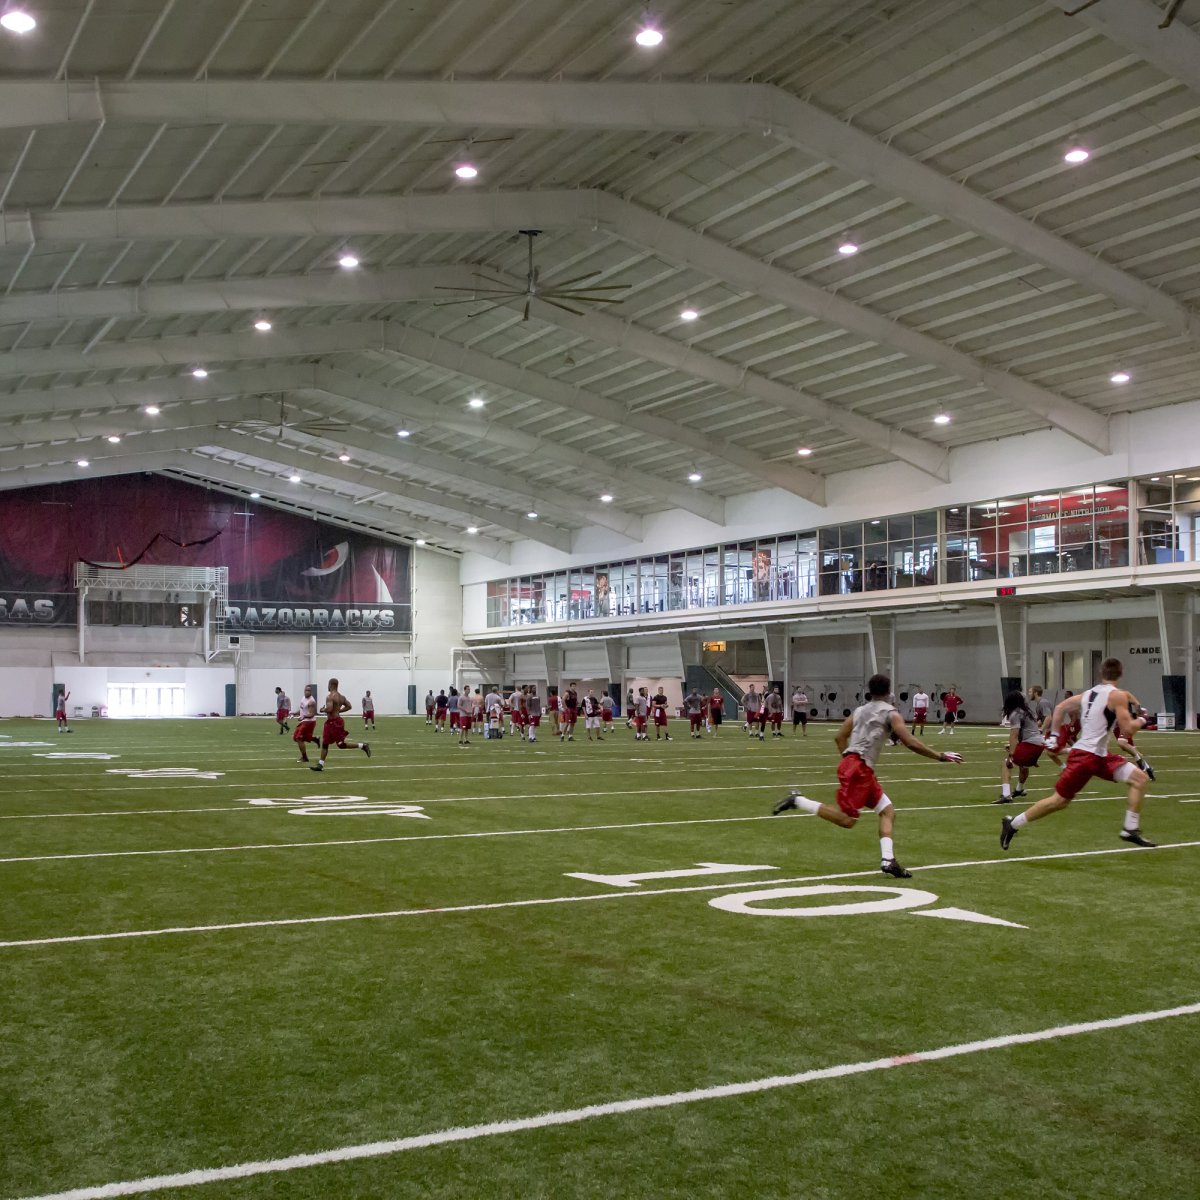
x=564 y=294
x=315 y=427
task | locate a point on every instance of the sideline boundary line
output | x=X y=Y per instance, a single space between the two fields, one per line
x=573 y=1116
x=338 y=918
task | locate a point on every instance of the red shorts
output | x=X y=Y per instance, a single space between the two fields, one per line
x=440 y=713
x=464 y=721
x=368 y=714
x=639 y=723
x=630 y=713
x=60 y=714
x=919 y=714
x=1027 y=754
x=695 y=720
x=570 y=715
x=857 y=786
x=606 y=717
x=429 y=710
x=1083 y=765
x=777 y=719
x=281 y=714
x=520 y=718
x=334 y=732
x=660 y=717
x=454 y=720
x=535 y=720
x=305 y=731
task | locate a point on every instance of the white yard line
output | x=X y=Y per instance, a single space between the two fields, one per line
x=341 y=918
x=610 y=1108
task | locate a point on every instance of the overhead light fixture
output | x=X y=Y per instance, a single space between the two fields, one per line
x=343 y=457
x=152 y=410
x=954 y=510
x=689 y=314
x=472 y=528
x=293 y=479
x=466 y=171
x=403 y=433
x=695 y=477
x=475 y=402
x=804 y=451
x=420 y=541
x=1076 y=155
x=532 y=515
x=83 y=462
x=606 y=498
x=1120 y=377
x=649 y=37
x=255 y=495
x=876 y=521
x=18 y=21
x=847 y=247
x=200 y=373
x=942 y=419
x=262 y=325
x=112 y=439
x=348 y=262
x=1155 y=478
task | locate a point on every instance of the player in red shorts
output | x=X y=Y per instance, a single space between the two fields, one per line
x=693 y=709
x=641 y=710
x=1025 y=745
x=1126 y=746
x=952 y=702
x=306 y=723
x=429 y=707
x=552 y=707
x=60 y=712
x=439 y=711
x=283 y=708
x=333 y=732
x=570 y=714
x=658 y=705
x=716 y=710
x=1100 y=709
x=860 y=740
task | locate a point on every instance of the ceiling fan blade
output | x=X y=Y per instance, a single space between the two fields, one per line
x=595 y=287
x=565 y=307
x=583 y=297
x=504 y=291
x=471 y=300
x=528 y=302
x=579 y=279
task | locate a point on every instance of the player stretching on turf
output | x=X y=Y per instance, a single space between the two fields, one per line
x=860 y=739
x=1100 y=708
x=283 y=706
x=60 y=712
x=333 y=732
x=306 y=723
x=1025 y=745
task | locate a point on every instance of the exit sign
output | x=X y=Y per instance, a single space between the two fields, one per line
x=1006 y=591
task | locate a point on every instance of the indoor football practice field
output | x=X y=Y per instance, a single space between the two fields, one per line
x=583 y=970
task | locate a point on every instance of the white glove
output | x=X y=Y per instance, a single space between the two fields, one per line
x=950 y=756
x=1052 y=743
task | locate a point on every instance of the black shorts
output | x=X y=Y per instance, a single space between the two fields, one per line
x=714 y=715
x=800 y=717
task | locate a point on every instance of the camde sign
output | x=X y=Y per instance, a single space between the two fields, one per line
x=265 y=618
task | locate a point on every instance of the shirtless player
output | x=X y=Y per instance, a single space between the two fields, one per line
x=333 y=732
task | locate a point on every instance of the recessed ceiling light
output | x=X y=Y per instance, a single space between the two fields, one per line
x=420 y=541
x=16 y=21
x=1076 y=155
x=403 y=433
x=649 y=37
x=472 y=528
x=466 y=171
x=1193 y=479
x=475 y=402
x=343 y=458
x=606 y=498
x=112 y=439
x=532 y=515
x=262 y=325
x=83 y=462
x=695 y=477
x=255 y=495
x=348 y=262
x=954 y=510
x=847 y=247
x=1120 y=377
x=942 y=419
x=689 y=314
x=1155 y=478
x=293 y=479
x=152 y=410
x=804 y=451
x=200 y=373
x=876 y=521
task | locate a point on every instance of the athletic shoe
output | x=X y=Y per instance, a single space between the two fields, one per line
x=1004 y=800
x=786 y=804
x=761 y=738
x=319 y=767
x=890 y=866
x=281 y=731
x=1135 y=836
x=666 y=737
x=1018 y=792
x=366 y=749
x=1007 y=833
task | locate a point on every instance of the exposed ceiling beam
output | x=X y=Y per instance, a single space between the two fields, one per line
x=758 y=109
x=318 y=341
x=236 y=295
x=1136 y=25
x=453 y=356
x=388 y=400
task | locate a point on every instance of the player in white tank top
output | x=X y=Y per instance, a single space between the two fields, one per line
x=1103 y=712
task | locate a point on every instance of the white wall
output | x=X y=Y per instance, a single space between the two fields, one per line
x=437 y=620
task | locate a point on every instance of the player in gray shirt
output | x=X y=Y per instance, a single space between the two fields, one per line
x=860 y=738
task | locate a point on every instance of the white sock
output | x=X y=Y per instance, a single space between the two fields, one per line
x=1132 y=820
x=887 y=850
x=1006 y=791
x=1020 y=821
x=804 y=804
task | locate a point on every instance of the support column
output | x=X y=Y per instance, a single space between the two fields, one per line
x=881 y=645
x=1012 y=630
x=1178 y=653
x=617 y=662
x=554 y=666
x=777 y=642
x=81 y=620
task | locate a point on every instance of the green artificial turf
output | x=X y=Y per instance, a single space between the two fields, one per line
x=123 y=1058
